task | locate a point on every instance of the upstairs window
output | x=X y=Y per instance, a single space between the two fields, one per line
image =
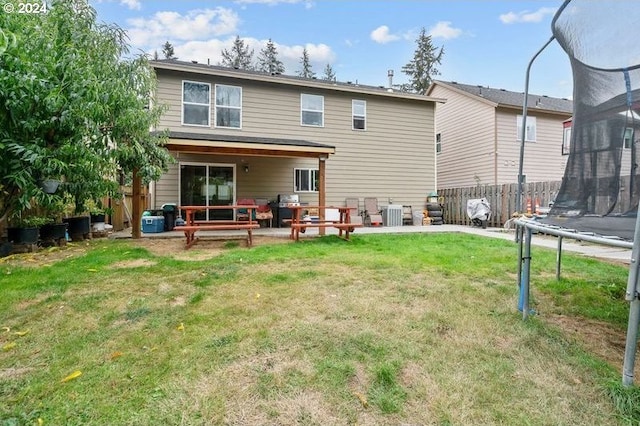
x=359 y=114
x=306 y=180
x=566 y=140
x=628 y=137
x=438 y=143
x=312 y=110
x=228 y=106
x=530 y=134
x=196 y=100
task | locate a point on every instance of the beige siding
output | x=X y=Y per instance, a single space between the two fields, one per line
x=394 y=158
x=480 y=144
x=543 y=159
x=467 y=133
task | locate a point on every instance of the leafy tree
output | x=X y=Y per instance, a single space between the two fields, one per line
x=268 y=60
x=239 y=57
x=422 y=67
x=71 y=109
x=167 y=51
x=306 y=70
x=329 y=74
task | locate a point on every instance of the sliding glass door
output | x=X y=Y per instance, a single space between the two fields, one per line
x=208 y=185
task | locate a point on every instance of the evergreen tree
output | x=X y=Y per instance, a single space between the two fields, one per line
x=239 y=57
x=268 y=60
x=167 y=51
x=306 y=70
x=422 y=67
x=329 y=74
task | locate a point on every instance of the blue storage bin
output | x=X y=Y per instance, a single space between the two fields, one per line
x=152 y=224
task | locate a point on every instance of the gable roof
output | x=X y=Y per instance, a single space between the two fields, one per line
x=215 y=70
x=506 y=98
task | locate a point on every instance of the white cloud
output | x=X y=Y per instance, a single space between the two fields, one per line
x=307 y=3
x=381 y=35
x=527 y=16
x=172 y=26
x=443 y=29
x=132 y=4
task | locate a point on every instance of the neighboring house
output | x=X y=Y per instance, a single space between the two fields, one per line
x=478 y=133
x=238 y=134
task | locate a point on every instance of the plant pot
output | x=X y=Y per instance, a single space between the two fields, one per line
x=49 y=186
x=5 y=249
x=23 y=235
x=79 y=227
x=97 y=218
x=53 y=231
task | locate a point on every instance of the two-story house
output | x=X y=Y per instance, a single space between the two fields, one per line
x=239 y=134
x=478 y=133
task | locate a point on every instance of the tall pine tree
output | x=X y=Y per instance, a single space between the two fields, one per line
x=167 y=51
x=306 y=70
x=239 y=57
x=422 y=68
x=329 y=74
x=268 y=60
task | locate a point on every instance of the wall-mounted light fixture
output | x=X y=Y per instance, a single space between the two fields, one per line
x=246 y=168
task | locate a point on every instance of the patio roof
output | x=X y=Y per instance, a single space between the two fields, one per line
x=246 y=145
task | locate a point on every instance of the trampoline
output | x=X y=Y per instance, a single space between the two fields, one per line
x=600 y=190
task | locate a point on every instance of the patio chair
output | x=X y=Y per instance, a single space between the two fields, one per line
x=354 y=210
x=243 y=214
x=407 y=215
x=263 y=212
x=372 y=213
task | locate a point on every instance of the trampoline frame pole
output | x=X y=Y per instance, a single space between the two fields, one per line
x=524 y=125
x=634 y=309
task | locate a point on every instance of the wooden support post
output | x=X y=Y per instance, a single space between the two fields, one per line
x=322 y=196
x=136 y=207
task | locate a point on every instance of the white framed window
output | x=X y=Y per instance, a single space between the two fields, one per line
x=311 y=110
x=228 y=106
x=530 y=134
x=438 y=143
x=628 y=137
x=196 y=101
x=566 y=141
x=305 y=180
x=359 y=114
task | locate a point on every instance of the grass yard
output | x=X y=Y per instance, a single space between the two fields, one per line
x=386 y=329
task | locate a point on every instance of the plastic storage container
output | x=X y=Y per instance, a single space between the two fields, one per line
x=152 y=224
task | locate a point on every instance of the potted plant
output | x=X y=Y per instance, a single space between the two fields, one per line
x=26 y=230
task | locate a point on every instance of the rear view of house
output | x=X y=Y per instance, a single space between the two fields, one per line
x=239 y=134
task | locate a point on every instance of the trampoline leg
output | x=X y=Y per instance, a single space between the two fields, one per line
x=519 y=232
x=632 y=341
x=523 y=302
x=559 y=258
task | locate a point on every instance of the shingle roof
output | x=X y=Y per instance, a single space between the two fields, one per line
x=514 y=99
x=245 y=139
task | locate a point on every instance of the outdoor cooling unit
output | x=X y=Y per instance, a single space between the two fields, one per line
x=392 y=215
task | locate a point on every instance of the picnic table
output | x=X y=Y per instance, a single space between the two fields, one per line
x=192 y=226
x=342 y=222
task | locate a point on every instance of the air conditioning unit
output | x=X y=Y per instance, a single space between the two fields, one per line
x=392 y=215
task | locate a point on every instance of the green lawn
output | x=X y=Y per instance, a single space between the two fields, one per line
x=386 y=329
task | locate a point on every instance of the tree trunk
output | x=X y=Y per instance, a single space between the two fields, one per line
x=136 y=206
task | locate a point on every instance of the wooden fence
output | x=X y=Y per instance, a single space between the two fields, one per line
x=501 y=198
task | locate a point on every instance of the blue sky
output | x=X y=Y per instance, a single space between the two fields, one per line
x=486 y=42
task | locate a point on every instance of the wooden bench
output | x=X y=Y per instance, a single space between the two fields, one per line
x=297 y=228
x=190 y=230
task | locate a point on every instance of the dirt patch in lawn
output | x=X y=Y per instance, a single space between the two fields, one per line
x=597 y=337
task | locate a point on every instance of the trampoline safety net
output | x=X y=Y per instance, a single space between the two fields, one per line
x=601 y=185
